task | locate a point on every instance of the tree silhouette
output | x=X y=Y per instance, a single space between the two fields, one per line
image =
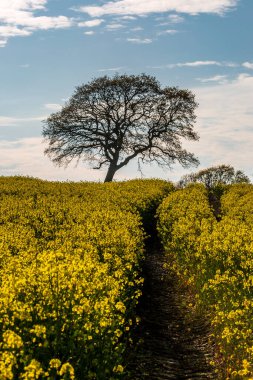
x=110 y=121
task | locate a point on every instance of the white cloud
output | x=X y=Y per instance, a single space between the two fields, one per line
x=136 y=29
x=6 y=121
x=224 y=122
x=140 y=40
x=142 y=7
x=112 y=69
x=128 y=18
x=12 y=31
x=248 y=65
x=89 y=33
x=230 y=64
x=91 y=23
x=175 y=19
x=114 y=26
x=215 y=78
x=195 y=64
x=18 y=18
x=45 y=22
x=168 y=31
x=171 y=19
x=3 y=42
x=26 y=157
x=53 y=106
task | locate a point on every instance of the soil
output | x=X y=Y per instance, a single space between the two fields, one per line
x=174 y=340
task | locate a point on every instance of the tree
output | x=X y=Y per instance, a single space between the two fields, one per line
x=215 y=176
x=110 y=121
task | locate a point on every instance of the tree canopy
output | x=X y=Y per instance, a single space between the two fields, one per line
x=214 y=176
x=110 y=121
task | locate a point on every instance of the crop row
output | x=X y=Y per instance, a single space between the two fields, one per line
x=216 y=258
x=70 y=256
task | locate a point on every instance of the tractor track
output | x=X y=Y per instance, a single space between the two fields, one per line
x=175 y=342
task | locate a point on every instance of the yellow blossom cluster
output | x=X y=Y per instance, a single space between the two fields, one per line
x=69 y=275
x=216 y=257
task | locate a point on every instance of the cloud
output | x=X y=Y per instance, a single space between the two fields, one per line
x=53 y=106
x=6 y=121
x=195 y=64
x=18 y=18
x=215 y=78
x=224 y=123
x=175 y=19
x=12 y=31
x=89 y=33
x=91 y=23
x=45 y=23
x=248 y=65
x=112 y=69
x=142 y=7
x=3 y=42
x=114 y=26
x=230 y=64
x=140 y=40
x=128 y=18
x=136 y=29
x=171 y=19
x=168 y=31
x=26 y=157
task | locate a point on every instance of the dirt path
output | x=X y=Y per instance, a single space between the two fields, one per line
x=175 y=344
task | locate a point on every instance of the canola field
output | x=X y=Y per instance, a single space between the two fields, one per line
x=71 y=272
x=70 y=258
x=216 y=258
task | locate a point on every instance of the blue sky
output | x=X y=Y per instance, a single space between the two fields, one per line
x=48 y=47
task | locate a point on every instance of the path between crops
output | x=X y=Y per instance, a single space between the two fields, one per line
x=175 y=343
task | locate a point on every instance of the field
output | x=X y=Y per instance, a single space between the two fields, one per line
x=70 y=279
x=71 y=272
x=216 y=258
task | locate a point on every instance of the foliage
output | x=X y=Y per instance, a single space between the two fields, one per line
x=215 y=176
x=70 y=281
x=110 y=121
x=217 y=259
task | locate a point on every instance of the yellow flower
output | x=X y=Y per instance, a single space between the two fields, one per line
x=67 y=369
x=55 y=363
x=33 y=371
x=119 y=368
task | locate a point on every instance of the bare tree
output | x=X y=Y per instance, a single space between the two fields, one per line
x=110 y=121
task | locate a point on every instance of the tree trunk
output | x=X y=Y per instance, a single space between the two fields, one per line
x=110 y=173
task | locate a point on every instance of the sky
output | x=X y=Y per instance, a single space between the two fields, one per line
x=49 y=47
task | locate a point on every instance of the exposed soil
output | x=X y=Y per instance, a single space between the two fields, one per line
x=215 y=204
x=175 y=343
